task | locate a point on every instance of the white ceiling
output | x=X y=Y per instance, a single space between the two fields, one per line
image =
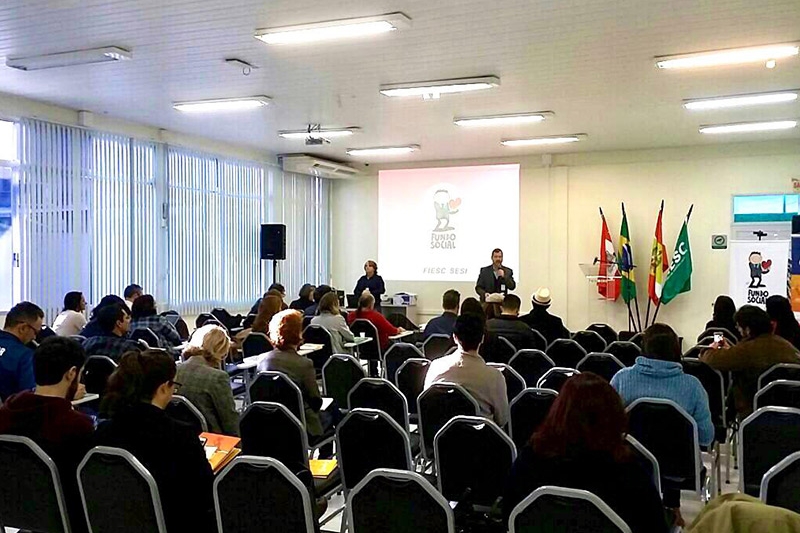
x=589 y=61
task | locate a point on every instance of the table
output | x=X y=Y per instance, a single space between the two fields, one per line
x=357 y=342
x=86 y=399
x=401 y=335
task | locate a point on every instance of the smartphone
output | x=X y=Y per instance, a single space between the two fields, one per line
x=718 y=337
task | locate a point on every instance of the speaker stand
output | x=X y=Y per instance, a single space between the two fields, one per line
x=274 y=271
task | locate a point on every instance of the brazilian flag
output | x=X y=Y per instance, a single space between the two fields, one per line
x=626 y=264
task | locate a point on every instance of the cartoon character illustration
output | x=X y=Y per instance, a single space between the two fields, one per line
x=758 y=267
x=444 y=207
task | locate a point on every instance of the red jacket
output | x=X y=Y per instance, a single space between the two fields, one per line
x=379 y=321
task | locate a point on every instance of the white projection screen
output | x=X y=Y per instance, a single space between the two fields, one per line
x=441 y=224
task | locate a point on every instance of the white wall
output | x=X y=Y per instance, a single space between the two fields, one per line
x=560 y=223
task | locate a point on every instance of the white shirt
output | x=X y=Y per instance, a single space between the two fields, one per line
x=69 y=323
x=129 y=303
x=337 y=327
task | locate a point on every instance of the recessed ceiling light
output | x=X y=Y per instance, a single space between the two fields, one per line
x=745 y=127
x=383 y=150
x=504 y=120
x=223 y=104
x=731 y=56
x=545 y=141
x=328 y=133
x=68 y=59
x=433 y=89
x=333 y=29
x=741 y=100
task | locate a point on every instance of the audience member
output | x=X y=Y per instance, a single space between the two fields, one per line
x=473 y=306
x=71 y=320
x=329 y=316
x=366 y=310
x=145 y=315
x=138 y=392
x=493 y=306
x=784 y=324
x=23 y=323
x=724 y=309
x=444 y=324
x=93 y=329
x=276 y=289
x=581 y=445
x=132 y=292
x=758 y=350
x=468 y=369
x=510 y=326
x=371 y=282
x=204 y=383
x=270 y=306
x=550 y=326
x=306 y=298
x=114 y=322
x=319 y=292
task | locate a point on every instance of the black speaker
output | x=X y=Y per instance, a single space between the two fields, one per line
x=273 y=241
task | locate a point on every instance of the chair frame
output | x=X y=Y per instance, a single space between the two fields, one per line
x=553 y=371
x=257 y=334
x=562 y=341
x=774 y=471
x=527 y=390
x=375 y=339
x=505 y=366
x=538 y=353
x=392 y=347
x=434 y=336
x=650 y=457
x=761 y=384
x=440 y=384
x=605 y=355
x=602 y=324
x=192 y=408
x=772 y=385
x=383 y=382
x=511 y=344
x=341 y=357
x=572 y=337
x=740 y=443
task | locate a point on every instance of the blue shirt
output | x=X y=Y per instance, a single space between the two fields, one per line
x=16 y=366
x=441 y=325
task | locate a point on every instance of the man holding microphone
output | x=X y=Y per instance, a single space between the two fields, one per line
x=495 y=278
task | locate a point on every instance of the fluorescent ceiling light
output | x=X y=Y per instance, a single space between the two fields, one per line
x=433 y=89
x=732 y=56
x=334 y=29
x=503 y=120
x=721 y=102
x=745 y=127
x=328 y=133
x=223 y=104
x=545 y=141
x=383 y=150
x=68 y=59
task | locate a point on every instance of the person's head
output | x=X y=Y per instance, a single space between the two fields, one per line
x=451 y=300
x=752 y=321
x=724 y=309
x=780 y=312
x=370 y=268
x=270 y=305
x=497 y=257
x=511 y=305
x=321 y=291
x=57 y=362
x=74 y=301
x=141 y=377
x=587 y=417
x=24 y=321
x=662 y=343
x=541 y=298
x=468 y=332
x=472 y=306
x=286 y=330
x=366 y=302
x=492 y=310
x=109 y=299
x=329 y=304
x=143 y=306
x=278 y=287
x=132 y=292
x=307 y=292
x=211 y=342
x=114 y=319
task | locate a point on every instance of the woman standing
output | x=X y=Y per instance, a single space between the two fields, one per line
x=372 y=283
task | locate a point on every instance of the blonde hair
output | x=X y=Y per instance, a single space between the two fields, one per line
x=209 y=341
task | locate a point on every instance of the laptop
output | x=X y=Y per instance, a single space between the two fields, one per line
x=352 y=301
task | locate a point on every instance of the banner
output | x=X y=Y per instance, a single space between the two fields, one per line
x=757 y=271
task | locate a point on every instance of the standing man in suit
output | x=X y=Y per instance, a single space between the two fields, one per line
x=495 y=277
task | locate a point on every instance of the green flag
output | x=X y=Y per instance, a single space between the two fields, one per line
x=625 y=255
x=679 y=277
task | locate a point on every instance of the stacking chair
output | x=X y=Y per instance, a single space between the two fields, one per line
x=566 y=352
x=181 y=409
x=781 y=484
x=549 y=509
x=369 y=351
x=781 y=392
x=591 y=341
x=317 y=334
x=180 y=324
x=528 y=410
x=638 y=340
x=95 y=373
x=604 y=365
x=32 y=499
x=376 y=393
x=497 y=349
x=339 y=376
x=555 y=378
x=647 y=460
x=608 y=333
x=45 y=332
x=531 y=364
x=146 y=335
x=255 y=344
x=766 y=437
x=228 y=320
x=118 y=493
x=790 y=371
x=248 y=321
x=695 y=352
x=410 y=379
x=436 y=406
x=396 y=355
x=726 y=333
x=514 y=382
x=284 y=503
x=80 y=339
x=204 y=318
x=437 y=345
x=625 y=351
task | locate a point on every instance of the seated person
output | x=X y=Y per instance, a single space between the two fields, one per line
x=205 y=384
x=444 y=324
x=510 y=326
x=71 y=320
x=132 y=292
x=306 y=298
x=784 y=323
x=138 y=392
x=277 y=290
x=145 y=315
x=23 y=323
x=329 y=316
x=492 y=307
x=114 y=322
x=473 y=306
x=319 y=292
x=724 y=310
x=468 y=369
x=550 y=326
x=581 y=445
x=92 y=328
x=366 y=311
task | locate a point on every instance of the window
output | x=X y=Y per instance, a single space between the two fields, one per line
x=8 y=158
x=765 y=208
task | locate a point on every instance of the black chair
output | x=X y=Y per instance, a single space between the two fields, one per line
x=437 y=345
x=714 y=384
x=497 y=349
x=284 y=503
x=248 y=321
x=781 y=484
x=726 y=333
x=647 y=460
x=182 y=328
x=531 y=364
x=316 y=334
x=118 y=493
x=604 y=365
x=410 y=379
x=397 y=501
x=436 y=406
x=376 y=393
x=549 y=509
x=566 y=353
x=45 y=332
x=396 y=355
x=608 y=333
x=638 y=340
x=694 y=352
x=514 y=382
x=780 y=393
x=32 y=499
x=473 y=460
x=401 y=321
x=339 y=375
x=228 y=320
x=255 y=344
x=528 y=410
x=307 y=320
x=555 y=378
x=540 y=343
x=181 y=409
x=790 y=371
x=625 y=351
x=590 y=341
x=80 y=339
x=146 y=335
x=204 y=318
x=368 y=351
x=95 y=373
x=766 y=437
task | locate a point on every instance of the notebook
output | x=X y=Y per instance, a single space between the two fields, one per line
x=220 y=449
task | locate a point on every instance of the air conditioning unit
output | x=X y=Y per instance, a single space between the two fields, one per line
x=315 y=166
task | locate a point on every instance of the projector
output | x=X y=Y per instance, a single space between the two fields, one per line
x=314 y=141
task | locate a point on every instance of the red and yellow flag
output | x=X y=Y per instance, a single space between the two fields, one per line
x=659 y=263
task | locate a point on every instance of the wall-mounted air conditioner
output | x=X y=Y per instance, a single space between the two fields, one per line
x=316 y=166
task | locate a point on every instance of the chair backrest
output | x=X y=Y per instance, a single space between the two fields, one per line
x=227 y=319
x=95 y=373
x=647 y=460
x=269 y=429
x=638 y=340
x=398 y=353
x=202 y=318
x=514 y=382
x=279 y=388
x=714 y=384
x=790 y=371
x=367 y=439
x=436 y=346
x=32 y=497
x=781 y=484
x=539 y=342
x=528 y=410
x=625 y=351
x=183 y=410
x=80 y=339
x=604 y=365
x=369 y=350
x=146 y=335
x=376 y=393
x=550 y=508
x=531 y=365
x=248 y=321
x=339 y=375
x=766 y=437
x=608 y=333
x=401 y=321
x=566 y=353
x=182 y=328
x=436 y=406
x=497 y=349
x=317 y=334
x=118 y=493
x=556 y=377
x=591 y=341
x=782 y=393
x=397 y=501
x=255 y=344
x=726 y=333
x=473 y=460
x=410 y=379
x=694 y=352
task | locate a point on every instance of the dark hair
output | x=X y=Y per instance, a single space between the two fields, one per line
x=109 y=315
x=491 y=310
x=54 y=357
x=306 y=290
x=724 y=309
x=373 y=264
x=321 y=291
x=23 y=313
x=755 y=318
x=365 y=301
x=277 y=287
x=661 y=342
x=132 y=289
x=286 y=329
x=450 y=299
x=469 y=331
x=143 y=306
x=497 y=250
x=109 y=299
x=512 y=302
x=472 y=306
x=72 y=301
x=587 y=417
x=779 y=309
x=329 y=304
x=136 y=380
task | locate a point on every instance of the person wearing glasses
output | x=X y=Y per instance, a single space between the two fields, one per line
x=23 y=323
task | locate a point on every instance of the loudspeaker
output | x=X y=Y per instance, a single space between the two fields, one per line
x=273 y=241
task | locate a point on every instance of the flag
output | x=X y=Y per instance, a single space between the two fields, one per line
x=626 y=265
x=608 y=273
x=659 y=264
x=679 y=277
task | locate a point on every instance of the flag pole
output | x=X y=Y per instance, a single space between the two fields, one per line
x=638 y=314
x=688 y=216
x=647 y=315
x=649 y=300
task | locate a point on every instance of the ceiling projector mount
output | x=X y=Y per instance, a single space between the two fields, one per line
x=315 y=136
